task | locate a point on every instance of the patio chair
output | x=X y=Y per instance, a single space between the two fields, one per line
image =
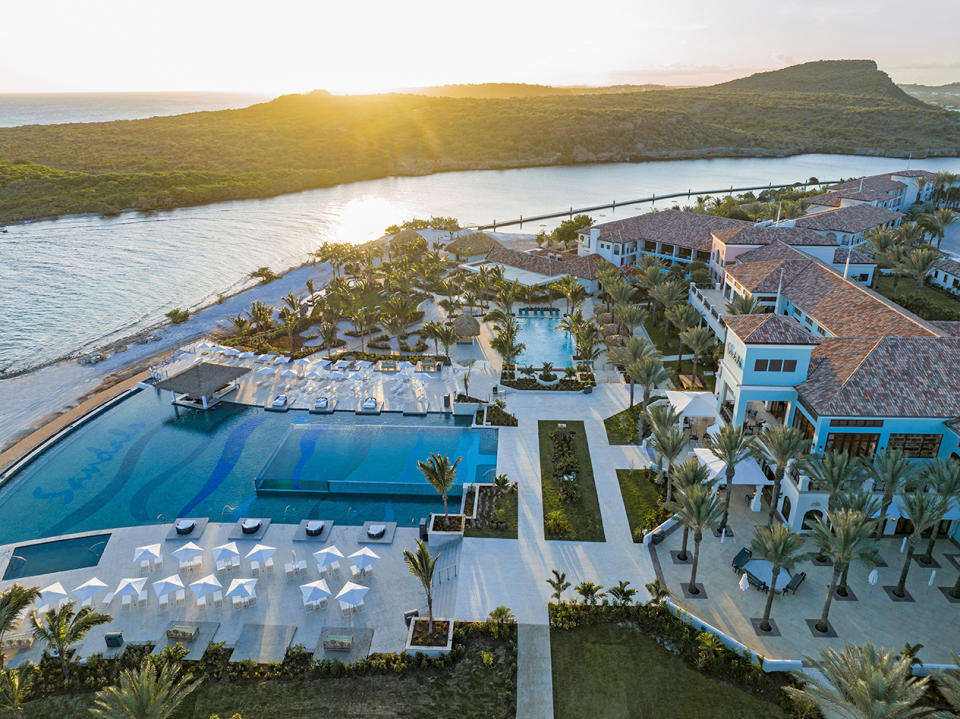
x=743 y=556
x=795 y=581
x=756 y=583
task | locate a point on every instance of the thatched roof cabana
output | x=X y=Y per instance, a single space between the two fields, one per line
x=466 y=326
x=202 y=381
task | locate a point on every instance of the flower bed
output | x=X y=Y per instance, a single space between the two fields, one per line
x=496 y=511
x=421 y=636
x=642 y=499
x=570 y=506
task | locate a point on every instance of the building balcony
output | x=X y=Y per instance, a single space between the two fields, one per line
x=711 y=304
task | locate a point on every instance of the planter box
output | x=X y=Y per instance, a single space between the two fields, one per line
x=442 y=535
x=432 y=651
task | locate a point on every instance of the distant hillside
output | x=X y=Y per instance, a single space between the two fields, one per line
x=835 y=77
x=298 y=142
x=943 y=95
x=503 y=90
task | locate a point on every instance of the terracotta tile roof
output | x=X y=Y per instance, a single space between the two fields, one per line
x=764 y=277
x=949 y=266
x=883 y=183
x=684 y=229
x=773 y=251
x=912 y=173
x=948 y=329
x=856 y=256
x=585 y=267
x=769 y=329
x=884 y=377
x=767 y=234
x=852 y=218
x=833 y=198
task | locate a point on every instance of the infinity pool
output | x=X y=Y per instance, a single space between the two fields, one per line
x=544 y=342
x=138 y=463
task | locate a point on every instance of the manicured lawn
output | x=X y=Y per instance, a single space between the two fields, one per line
x=609 y=671
x=614 y=425
x=509 y=503
x=654 y=327
x=641 y=499
x=584 y=515
x=907 y=287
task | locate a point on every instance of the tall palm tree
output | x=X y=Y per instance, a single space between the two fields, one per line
x=364 y=319
x=571 y=322
x=681 y=317
x=560 y=584
x=630 y=317
x=891 y=471
x=910 y=234
x=778 y=446
x=944 y=479
x=13 y=603
x=937 y=222
x=261 y=316
x=731 y=445
x=701 y=342
x=669 y=443
x=507 y=295
x=505 y=342
x=868 y=505
x=422 y=565
x=924 y=510
x=588 y=341
x=864 y=683
x=919 y=262
x=289 y=318
x=145 y=692
x=441 y=475
x=431 y=330
x=650 y=374
x=328 y=333
x=845 y=536
x=833 y=473
x=634 y=348
x=447 y=336
x=686 y=475
x=62 y=628
x=668 y=294
x=744 y=305
x=781 y=547
x=568 y=287
x=697 y=507
x=880 y=240
x=620 y=292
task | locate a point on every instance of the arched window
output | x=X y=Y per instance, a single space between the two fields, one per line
x=810 y=517
x=832 y=236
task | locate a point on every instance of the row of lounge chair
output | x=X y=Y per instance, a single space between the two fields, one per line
x=540 y=311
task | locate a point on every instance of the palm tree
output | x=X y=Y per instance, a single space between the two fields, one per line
x=948 y=682
x=622 y=594
x=681 y=317
x=880 y=240
x=668 y=294
x=506 y=344
x=499 y=618
x=890 y=471
x=364 y=319
x=15 y=686
x=781 y=547
x=924 y=510
x=328 y=333
x=507 y=295
x=634 y=348
x=145 y=692
x=241 y=323
x=868 y=505
x=571 y=322
x=778 y=446
x=863 y=683
x=701 y=342
x=658 y=593
x=731 y=445
x=669 y=443
x=620 y=292
x=945 y=480
x=568 y=287
x=590 y=593
x=919 y=262
x=649 y=374
x=421 y=565
x=289 y=318
x=447 y=336
x=630 y=317
x=697 y=508
x=745 y=305
x=844 y=537
x=910 y=234
x=261 y=316
x=560 y=584
x=441 y=475
x=62 y=628
x=687 y=474
x=937 y=222
x=431 y=330
x=13 y=603
x=833 y=473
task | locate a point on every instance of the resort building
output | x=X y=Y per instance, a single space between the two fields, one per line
x=848 y=224
x=539 y=267
x=946 y=275
x=894 y=191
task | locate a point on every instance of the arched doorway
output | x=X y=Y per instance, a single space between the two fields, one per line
x=810 y=517
x=785 y=509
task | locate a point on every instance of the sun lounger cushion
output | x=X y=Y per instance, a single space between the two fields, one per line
x=185 y=526
x=314 y=528
x=250 y=526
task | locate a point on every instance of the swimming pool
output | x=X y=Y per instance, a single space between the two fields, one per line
x=138 y=463
x=58 y=556
x=544 y=343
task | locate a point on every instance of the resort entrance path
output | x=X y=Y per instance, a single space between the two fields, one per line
x=534 y=672
x=496 y=572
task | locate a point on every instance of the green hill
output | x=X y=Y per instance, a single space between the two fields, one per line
x=298 y=142
x=501 y=90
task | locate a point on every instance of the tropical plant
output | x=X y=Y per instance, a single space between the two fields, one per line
x=499 y=618
x=682 y=317
x=447 y=336
x=891 y=471
x=589 y=592
x=145 y=692
x=289 y=318
x=697 y=507
x=686 y=474
x=241 y=323
x=14 y=601
x=944 y=478
x=833 y=473
x=505 y=342
x=781 y=547
x=700 y=341
x=744 y=305
x=668 y=294
x=422 y=566
x=937 y=222
x=569 y=288
x=868 y=505
x=731 y=445
x=328 y=334
x=430 y=330
x=441 y=475
x=261 y=316
x=560 y=584
x=622 y=594
x=15 y=686
x=920 y=262
x=845 y=536
x=924 y=510
x=634 y=348
x=669 y=443
x=658 y=593
x=630 y=317
x=948 y=682
x=364 y=320
x=62 y=628
x=863 y=683
x=507 y=295
x=778 y=446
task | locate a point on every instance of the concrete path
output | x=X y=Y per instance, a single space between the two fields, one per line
x=534 y=672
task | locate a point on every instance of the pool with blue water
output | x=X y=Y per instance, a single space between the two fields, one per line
x=60 y=555
x=544 y=342
x=140 y=463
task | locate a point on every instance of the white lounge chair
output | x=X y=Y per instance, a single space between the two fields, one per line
x=164 y=601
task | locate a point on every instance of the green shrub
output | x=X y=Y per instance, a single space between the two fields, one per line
x=178 y=316
x=557 y=524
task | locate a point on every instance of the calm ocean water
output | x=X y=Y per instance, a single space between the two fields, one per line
x=44 y=109
x=78 y=282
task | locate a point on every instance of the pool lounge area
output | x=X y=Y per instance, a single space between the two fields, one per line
x=145 y=462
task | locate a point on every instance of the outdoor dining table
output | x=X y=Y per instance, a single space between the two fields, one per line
x=762 y=570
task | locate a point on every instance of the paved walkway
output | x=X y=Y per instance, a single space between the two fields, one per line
x=534 y=672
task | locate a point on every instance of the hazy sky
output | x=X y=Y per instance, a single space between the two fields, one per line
x=350 y=45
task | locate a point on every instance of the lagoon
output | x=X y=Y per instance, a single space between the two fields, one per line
x=79 y=282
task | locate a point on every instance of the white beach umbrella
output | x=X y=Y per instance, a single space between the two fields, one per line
x=89 y=588
x=54 y=593
x=261 y=553
x=230 y=352
x=247 y=355
x=364 y=364
x=242 y=588
x=206 y=585
x=282 y=359
x=130 y=587
x=340 y=364
x=322 y=364
x=266 y=358
x=187 y=552
x=289 y=373
x=163 y=587
x=403 y=364
x=352 y=594
x=328 y=555
x=146 y=553
x=301 y=362
x=225 y=551
x=204 y=345
x=364 y=557
x=266 y=371
x=314 y=375
x=315 y=590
